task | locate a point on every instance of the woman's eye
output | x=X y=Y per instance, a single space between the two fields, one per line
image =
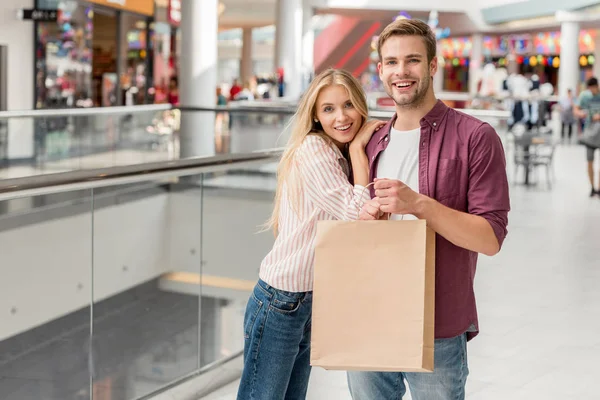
x=328 y=109
x=348 y=105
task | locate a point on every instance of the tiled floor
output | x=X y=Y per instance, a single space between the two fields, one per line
x=538 y=299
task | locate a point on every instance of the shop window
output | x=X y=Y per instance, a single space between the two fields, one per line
x=63 y=57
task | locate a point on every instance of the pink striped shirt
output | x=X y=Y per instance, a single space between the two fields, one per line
x=325 y=194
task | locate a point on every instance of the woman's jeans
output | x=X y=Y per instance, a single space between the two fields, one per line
x=276 y=344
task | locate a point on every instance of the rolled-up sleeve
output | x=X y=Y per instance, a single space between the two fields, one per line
x=488 y=193
x=325 y=183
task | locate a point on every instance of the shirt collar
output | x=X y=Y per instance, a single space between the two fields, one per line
x=434 y=118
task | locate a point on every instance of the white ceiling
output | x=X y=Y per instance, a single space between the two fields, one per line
x=464 y=20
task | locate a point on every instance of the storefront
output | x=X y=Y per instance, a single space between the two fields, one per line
x=166 y=42
x=539 y=53
x=98 y=53
x=455 y=58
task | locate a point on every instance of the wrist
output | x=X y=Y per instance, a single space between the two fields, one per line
x=356 y=152
x=423 y=206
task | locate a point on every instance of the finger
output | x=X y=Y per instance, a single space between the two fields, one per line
x=385 y=201
x=386 y=209
x=366 y=216
x=374 y=211
x=384 y=193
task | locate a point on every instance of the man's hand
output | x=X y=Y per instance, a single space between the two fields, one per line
x=370 y=211
x=395 y=197
x=596 y=117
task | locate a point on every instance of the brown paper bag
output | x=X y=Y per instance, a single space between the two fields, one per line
x=373 y=298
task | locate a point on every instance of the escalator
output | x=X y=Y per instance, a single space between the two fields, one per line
x=345 y=43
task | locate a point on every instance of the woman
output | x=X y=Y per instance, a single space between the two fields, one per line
x=313 y=184
x=566 y=115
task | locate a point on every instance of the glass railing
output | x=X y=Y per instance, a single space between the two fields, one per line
x=50 y=141
x=120 y=282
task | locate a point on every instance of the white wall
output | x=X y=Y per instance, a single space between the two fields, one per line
x=47 y=267
x=19 y=37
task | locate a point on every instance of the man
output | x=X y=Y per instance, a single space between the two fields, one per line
x=588 y=107
x=434 y=163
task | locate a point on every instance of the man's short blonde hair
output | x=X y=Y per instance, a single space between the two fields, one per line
x=410 y=27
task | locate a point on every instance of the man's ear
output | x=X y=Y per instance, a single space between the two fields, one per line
x=433 y=66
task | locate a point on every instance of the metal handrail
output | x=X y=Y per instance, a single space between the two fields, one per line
x=69 y=112
x=270 y=108
x=101 y=177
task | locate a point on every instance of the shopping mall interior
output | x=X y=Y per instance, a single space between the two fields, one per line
x=139 y=149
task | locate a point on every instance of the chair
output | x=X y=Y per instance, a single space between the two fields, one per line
x=543 y=156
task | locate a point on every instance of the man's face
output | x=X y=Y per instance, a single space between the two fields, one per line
x=404 y=70
x=594 y=89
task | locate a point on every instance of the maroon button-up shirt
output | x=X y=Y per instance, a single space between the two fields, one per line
x=461 y=165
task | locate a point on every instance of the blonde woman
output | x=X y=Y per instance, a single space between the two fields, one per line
x=329 y=128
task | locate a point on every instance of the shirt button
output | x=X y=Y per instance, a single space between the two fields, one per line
x=372 y=158
x=423 y=144
x=386 y=139
x=435 y=124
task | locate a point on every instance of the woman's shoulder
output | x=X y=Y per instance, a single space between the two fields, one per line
x=315 y=143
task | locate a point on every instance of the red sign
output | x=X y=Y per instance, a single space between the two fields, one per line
x=174 y=12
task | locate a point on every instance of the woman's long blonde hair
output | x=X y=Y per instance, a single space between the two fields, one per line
x=303 y=123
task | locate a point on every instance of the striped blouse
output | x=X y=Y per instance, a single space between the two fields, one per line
x=325 y=194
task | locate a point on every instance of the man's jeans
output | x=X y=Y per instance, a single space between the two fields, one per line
x=276 y=345
x=447 y=382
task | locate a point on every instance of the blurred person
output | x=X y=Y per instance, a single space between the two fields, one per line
x=221 y=99
x=221 y=115
x=588 y=107
x=235 y=89
x=174 y=91
x=566 y=115
x=246 y=93
x=312 y=185
x=437 y=164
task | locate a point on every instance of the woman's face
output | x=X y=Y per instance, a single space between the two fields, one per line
x=339 y=118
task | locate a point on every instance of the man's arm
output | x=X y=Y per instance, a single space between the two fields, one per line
x=471 y=232
x=483 y=228
x=468 y=231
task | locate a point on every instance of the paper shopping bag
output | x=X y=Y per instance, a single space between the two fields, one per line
x=373 y=298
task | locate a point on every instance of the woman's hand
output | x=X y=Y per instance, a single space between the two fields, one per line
x=363 y=136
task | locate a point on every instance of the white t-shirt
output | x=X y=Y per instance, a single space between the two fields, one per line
x=400 y=161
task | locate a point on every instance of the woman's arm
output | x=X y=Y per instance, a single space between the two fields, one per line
x=324 y=180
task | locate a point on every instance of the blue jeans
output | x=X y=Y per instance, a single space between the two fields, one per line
x=276 y=345
x=446 y=382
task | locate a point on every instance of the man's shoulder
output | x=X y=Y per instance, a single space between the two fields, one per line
x=468 y=124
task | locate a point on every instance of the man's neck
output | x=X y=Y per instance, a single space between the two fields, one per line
x=410 y=118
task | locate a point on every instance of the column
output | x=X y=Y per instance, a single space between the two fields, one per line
x=198 y=76
x=246 y=66
x=308 y=45
x=438 y=78
x=568 y=72
x=597 y=55
x=288 y=43
x=475 y=63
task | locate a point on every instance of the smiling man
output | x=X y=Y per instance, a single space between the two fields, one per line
x=434 y=163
